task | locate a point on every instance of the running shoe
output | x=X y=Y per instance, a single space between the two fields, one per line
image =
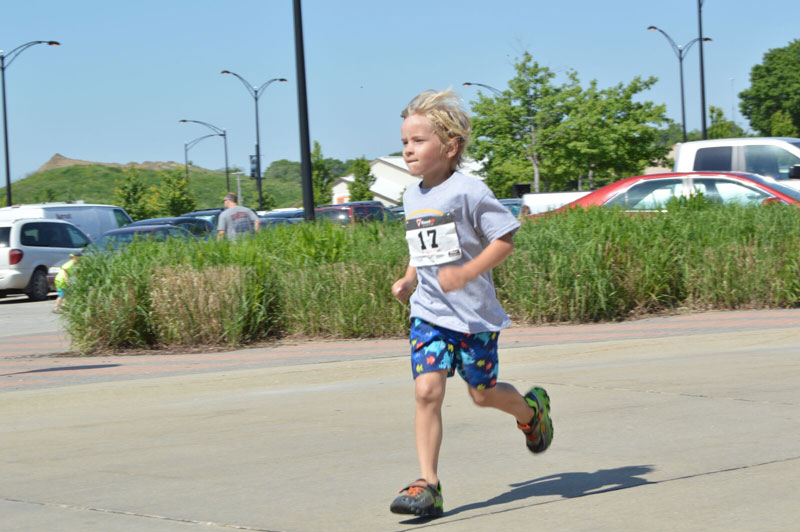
x=539 y=430
x=419 y=498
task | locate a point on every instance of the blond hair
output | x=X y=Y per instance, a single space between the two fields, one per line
x=447 y=116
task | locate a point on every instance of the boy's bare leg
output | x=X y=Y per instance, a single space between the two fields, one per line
x=504 y=397
x=429 y=394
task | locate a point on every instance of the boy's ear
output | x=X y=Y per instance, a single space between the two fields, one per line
x=451 y=148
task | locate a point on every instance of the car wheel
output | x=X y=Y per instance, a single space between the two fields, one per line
x=38 y=289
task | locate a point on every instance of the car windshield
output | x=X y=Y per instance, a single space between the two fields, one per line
x=776 y=185
x=334 y=215
x=5 y=235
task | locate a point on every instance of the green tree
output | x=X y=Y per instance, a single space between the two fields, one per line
x=284 y=170
x=607 y=135
x=551 y=134
x=321 y=176
x=362 y=180
x=721 y=127
x=172 y=197
x=781 y=125
x=132 y=195
x=520 y=125
x=772 y=102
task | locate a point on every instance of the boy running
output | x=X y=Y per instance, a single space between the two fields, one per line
x=457 y=232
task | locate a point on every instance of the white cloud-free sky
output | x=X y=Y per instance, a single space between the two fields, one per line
x=126 y=72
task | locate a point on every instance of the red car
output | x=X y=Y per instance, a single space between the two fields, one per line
x=652 y=192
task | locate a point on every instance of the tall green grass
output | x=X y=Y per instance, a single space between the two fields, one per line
x=322 y=280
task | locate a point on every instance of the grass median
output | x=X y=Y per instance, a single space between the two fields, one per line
x=326 y=281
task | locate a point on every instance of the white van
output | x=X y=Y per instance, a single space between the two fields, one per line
x=94 y=220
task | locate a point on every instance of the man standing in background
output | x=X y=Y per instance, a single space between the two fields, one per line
x=236 y=220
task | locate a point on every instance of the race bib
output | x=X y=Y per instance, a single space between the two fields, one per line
x=432 y=240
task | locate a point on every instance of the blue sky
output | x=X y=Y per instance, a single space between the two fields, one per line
x=126 y=72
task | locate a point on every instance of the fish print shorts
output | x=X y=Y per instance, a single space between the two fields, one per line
x=435 y=348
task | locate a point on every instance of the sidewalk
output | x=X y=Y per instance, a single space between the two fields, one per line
x=677 y=423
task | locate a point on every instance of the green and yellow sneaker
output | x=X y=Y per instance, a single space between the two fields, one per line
x=419 y=498
x=539 y=430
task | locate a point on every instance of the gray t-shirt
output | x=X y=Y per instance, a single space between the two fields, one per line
x=479 y=219
x=235 y=221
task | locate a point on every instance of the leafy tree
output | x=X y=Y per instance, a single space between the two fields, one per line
x=781 y=125
x=721 y=127
x=556 y=133
x=172 y=197
x=131 y=194
x=772 y=103
x=519 y=125
x=607 y=135
x=284 y=170
x=673 y=134
x=362 y=180
x=321 y=177
x=336 y=167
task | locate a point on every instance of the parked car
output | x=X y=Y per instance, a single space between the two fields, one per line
x=210 y=215
x=199 y=227
x=778 y=158
x=283 y=213
x=397 y=212
x=29 y=248
x=357 y=211
x=93 y=220
x=547 y=201
x=650 y=193
x=268 y=222
x=512 y=204
x=119 y=238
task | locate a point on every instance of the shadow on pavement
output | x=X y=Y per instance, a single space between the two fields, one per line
x=11 y=300
x=568 y=485
x=65 y=368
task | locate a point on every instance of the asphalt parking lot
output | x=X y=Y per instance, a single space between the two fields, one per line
x=687 y=422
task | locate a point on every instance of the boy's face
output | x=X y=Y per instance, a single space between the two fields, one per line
x=422 y=149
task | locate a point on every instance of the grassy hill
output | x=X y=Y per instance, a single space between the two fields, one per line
x=96 y=184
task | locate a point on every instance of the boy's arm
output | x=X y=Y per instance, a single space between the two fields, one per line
x=455 y=277
x=403 y=287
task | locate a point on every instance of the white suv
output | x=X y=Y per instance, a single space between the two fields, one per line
x=28 y=248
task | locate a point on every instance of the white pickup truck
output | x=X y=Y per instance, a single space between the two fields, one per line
x=774 y=157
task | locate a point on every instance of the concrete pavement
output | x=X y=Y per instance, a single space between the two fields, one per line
x=679 y=423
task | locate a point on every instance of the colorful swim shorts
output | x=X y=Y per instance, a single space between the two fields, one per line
x=435 y=348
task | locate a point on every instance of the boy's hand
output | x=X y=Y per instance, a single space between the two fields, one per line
x=402 y=289
x=452 y=278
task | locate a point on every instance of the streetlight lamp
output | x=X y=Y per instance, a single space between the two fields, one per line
x=680 y=52
x=5 y=62
x=256 y=93
x=222 y=133
x=189 y=145
x=497 y=92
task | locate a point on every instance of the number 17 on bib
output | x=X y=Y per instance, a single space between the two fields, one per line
x=432 y=240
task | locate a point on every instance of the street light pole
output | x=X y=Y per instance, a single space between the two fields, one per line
x=497 y=92
x=5 y=62
x=702 y=71
x=256 y=93
x=189 y=145
x=222 y=133
x=680 y=52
